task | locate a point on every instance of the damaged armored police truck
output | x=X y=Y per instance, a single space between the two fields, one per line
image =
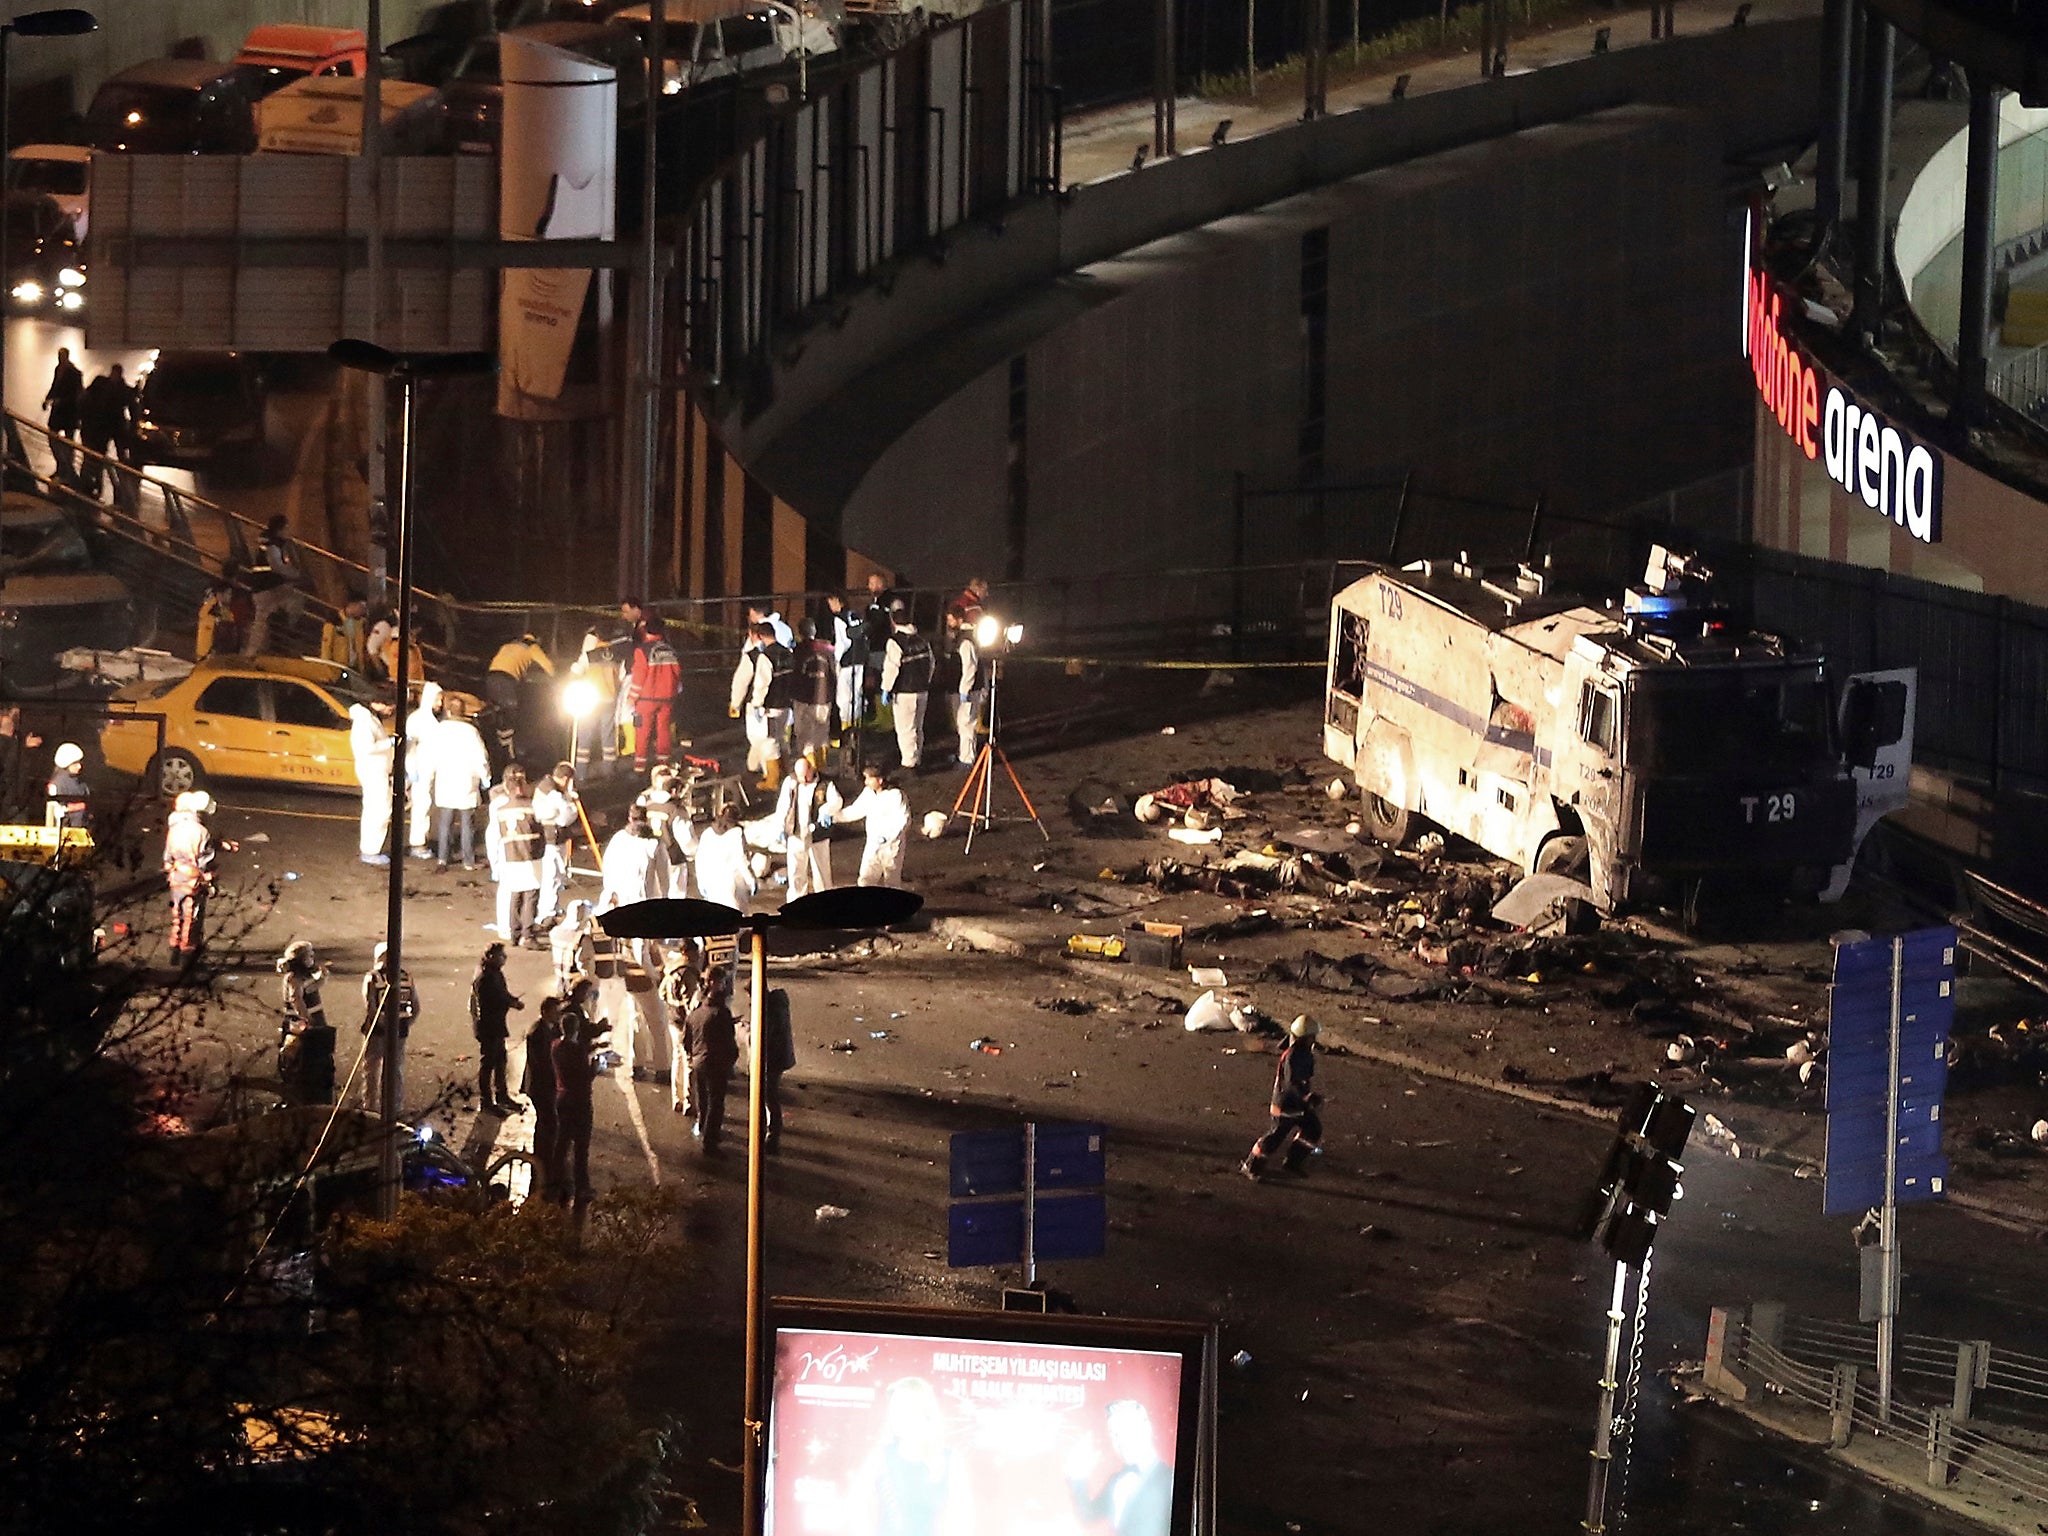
x=1651 y=751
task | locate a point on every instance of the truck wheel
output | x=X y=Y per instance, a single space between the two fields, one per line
x=1384 y=822
x=175 y=772
x=1564 y=855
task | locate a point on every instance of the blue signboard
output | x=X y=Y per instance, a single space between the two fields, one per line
x=1860 y=1074
x=985 y=1232
x=988 y=1162
x=993 y=1203
x=1069 y=1157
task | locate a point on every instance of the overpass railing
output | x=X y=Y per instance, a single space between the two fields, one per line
x=880 y=162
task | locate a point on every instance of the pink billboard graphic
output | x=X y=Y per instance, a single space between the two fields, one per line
x=876 y=1434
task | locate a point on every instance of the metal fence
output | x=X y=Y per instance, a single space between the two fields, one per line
x=2021 y=381
x=1974 y=1408
x=880 y=161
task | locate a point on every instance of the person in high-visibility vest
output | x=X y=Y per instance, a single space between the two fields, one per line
x=1297 y=1128
x=512 y=667
x=305 y=1044
x=188 y=868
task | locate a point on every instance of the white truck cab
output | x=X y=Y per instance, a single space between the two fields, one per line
x=1635 y=747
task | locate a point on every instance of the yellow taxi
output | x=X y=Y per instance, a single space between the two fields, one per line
x=279 y=718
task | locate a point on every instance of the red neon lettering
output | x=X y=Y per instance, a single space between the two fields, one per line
x=1787 y=382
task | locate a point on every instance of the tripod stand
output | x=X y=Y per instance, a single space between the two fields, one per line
x=978 y=793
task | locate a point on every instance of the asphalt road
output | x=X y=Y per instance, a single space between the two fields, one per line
x=1423 y=1335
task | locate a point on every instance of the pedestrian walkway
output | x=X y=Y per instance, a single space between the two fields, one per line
x=1096 y=145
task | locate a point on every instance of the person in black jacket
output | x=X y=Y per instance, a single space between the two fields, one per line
x=778 y=1055
x=16 y=742
x=711 y=1037
x=575 y=1058
x=104 y=413
x=537 y=1082
x=876 y=622
x=1297 y=1128
x=61 y=399
x=491 y=1005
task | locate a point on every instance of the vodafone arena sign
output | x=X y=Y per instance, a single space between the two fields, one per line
x=1864 y=453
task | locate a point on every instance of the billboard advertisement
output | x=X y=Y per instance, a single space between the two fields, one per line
x=558 y=181
x=980 y=1424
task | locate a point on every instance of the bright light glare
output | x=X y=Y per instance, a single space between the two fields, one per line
x=29 y=293
x=71 y=277
x=988 y=630
x=1014 y=634
x=134 y=119
x=672 y=86
x=579 y=697
x=71 y=300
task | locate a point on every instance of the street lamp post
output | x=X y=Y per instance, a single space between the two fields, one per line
x=406 y=370
x=845 y=909
x=64 y=22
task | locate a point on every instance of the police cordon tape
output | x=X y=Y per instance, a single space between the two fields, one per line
x=1166 y=666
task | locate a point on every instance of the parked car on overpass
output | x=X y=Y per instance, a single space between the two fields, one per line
x=197 y=408
x=475 y=93
x=45 y=265
x=174 y=107
x=60 y=172
x=272 y=56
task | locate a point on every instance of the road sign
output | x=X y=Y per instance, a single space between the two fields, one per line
x=988 y=1162
x=1889 y=1015
x=1864 y=1082
x=1001 y=1213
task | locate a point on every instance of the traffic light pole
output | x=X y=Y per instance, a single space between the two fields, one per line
x=1603 y=1427
x=1888 y=1228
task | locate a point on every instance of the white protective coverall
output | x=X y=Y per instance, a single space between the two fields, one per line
x=886 y=813
x=372 y=745
x=724 y=871
x=420 y=727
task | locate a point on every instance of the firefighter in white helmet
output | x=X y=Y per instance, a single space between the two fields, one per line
x=66 y=794
x=1297 y=1129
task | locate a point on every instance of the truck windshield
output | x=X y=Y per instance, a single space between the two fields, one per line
x=1728 y=723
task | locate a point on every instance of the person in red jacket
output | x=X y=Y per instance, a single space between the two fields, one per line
x=656 y=679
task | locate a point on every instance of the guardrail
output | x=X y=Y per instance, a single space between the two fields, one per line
x=1976 y=1423
x=187 y=541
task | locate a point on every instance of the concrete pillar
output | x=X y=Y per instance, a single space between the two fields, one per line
x=1941 y=1447
x=1872 y=173
x=1842 y=1405
x=1316 y=73
x=1980 y=211
x=1165 y=79
x=1837 y=26
x=1973 y=1365
x=1722 y=1372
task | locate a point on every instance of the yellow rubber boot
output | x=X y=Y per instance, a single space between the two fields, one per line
x=771 y=773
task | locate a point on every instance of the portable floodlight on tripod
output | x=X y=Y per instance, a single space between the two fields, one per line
x=992 y=638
